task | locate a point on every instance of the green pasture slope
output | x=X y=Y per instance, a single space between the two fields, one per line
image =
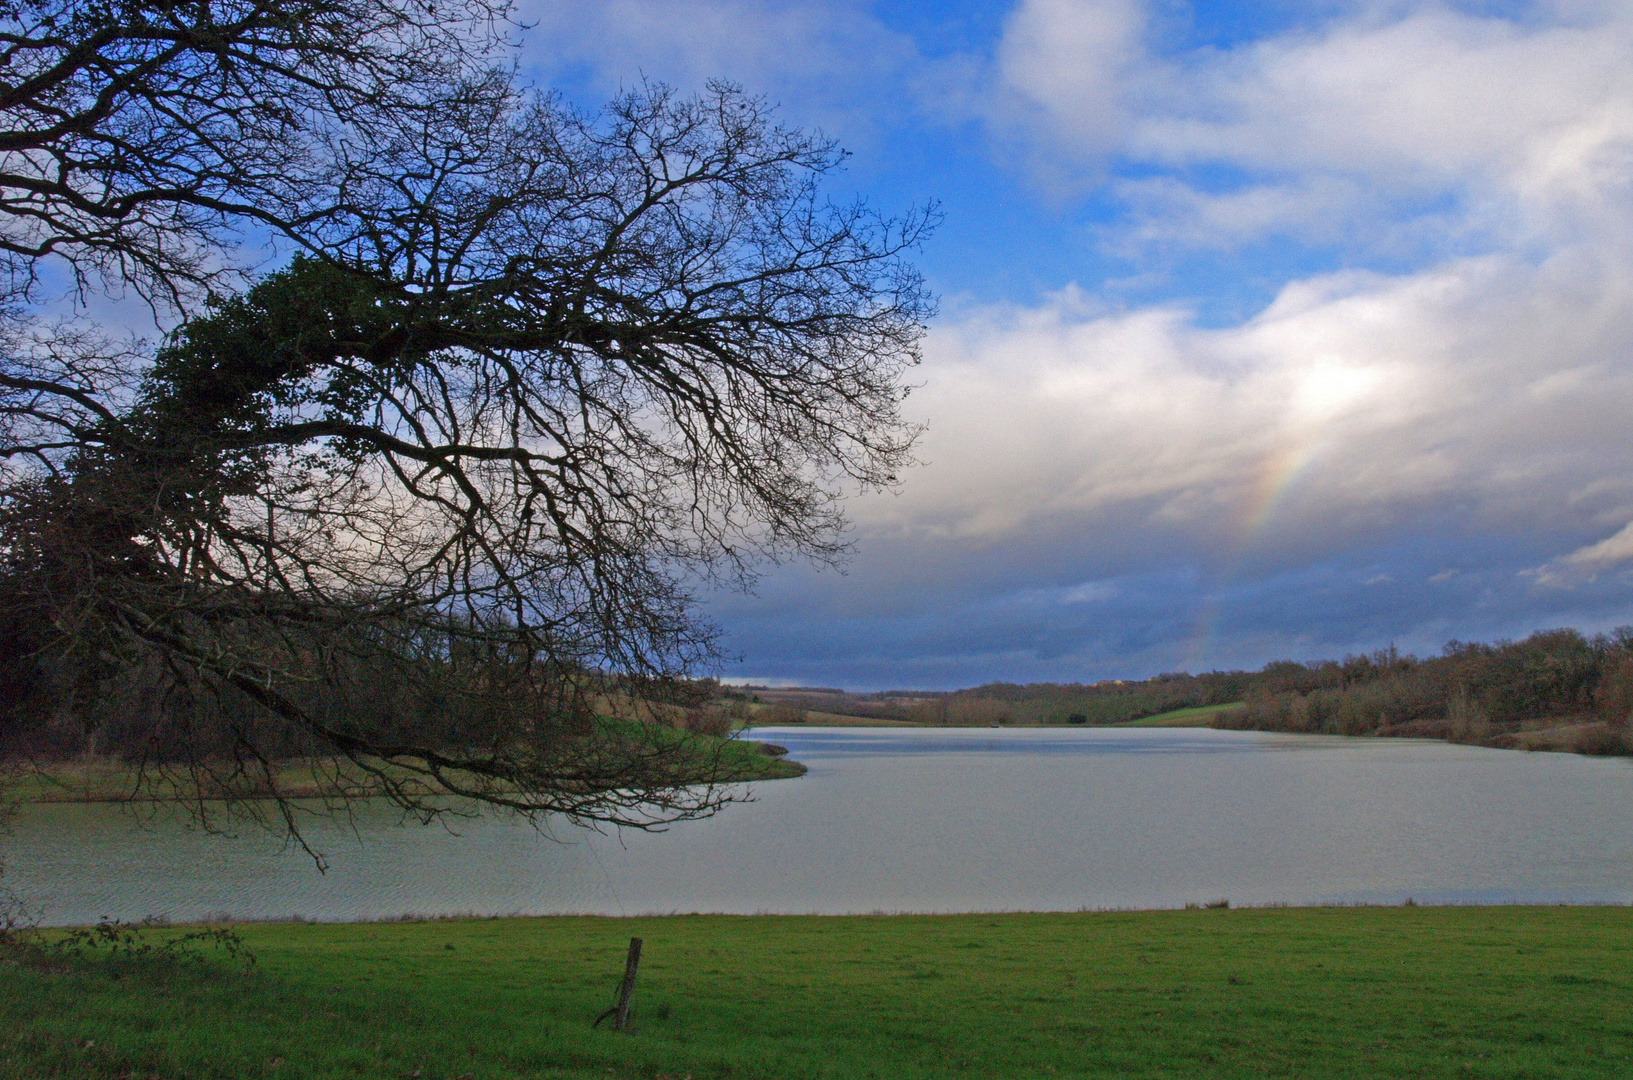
x=1484 y=992
x=1199 y=716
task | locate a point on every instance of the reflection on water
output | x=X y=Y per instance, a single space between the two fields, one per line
x=907 y=819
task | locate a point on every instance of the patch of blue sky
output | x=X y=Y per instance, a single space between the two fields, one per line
x=1224 y=24
x=949 y=28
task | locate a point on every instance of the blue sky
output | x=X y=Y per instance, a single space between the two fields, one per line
x=1268 y=330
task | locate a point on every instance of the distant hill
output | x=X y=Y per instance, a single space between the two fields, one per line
x=1557 y=689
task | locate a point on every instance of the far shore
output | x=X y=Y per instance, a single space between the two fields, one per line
x=1547 y=736
x=1200 y=717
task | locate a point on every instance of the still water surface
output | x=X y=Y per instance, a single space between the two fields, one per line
x=895 y=819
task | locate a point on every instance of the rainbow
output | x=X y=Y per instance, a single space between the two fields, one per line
x=1279 y=474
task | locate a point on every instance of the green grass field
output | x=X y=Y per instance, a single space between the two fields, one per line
x=1196 y=717
x=1505 y=992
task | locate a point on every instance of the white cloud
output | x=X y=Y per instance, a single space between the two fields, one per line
x=1490 y=385
x=1528 y=128
x=1090 y=592
x=1355 y=402
x=1587 y=563
x=825 y=63
x=1165 y=210
x=1431 y=94
x=1082 y=52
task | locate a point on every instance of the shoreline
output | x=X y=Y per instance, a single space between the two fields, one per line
x=1534 y=736
x=83 y=780
x=107 y=780
x=416 y=918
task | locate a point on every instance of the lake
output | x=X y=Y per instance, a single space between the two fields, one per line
x=925 y=820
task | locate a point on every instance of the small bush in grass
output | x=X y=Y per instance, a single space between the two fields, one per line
x=150 y=943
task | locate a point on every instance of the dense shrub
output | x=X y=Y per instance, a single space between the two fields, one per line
x=1614 y=695
x=780 y=713
x=707 y=721
x=1469 y=693
x=1600 y=739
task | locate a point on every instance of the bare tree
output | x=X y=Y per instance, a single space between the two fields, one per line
x=423 y=507
x=136 y=136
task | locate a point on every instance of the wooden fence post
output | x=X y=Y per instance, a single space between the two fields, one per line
x=626 y=989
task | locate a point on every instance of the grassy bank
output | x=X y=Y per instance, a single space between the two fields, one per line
x=102 y=779
x=1359 y=992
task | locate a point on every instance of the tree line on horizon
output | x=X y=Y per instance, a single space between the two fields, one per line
x=1471 y=692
